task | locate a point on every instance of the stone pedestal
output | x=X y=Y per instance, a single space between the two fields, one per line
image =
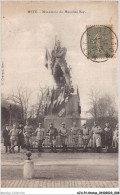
x=70 y=115
x=71 y=106
x=28 y=171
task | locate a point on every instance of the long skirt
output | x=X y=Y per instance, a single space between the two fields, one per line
x=108 y=139
x=7 y=141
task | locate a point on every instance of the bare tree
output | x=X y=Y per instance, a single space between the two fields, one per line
x=101 y=106
x=105 y=106
x=21 y=98
x=41 y=101
x=93 y=100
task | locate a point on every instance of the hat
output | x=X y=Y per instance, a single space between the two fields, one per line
x=63 y=123
x=51 y=123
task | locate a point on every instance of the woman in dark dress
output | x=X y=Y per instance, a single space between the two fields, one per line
x=20 y=136
x=6 y=137
x=108 y=137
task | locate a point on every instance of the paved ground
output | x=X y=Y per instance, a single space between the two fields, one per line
x=62 y=170
x=57 y=184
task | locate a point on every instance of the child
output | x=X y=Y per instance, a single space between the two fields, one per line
x=6 y=137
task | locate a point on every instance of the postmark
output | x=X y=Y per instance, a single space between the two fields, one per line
x=99 y=43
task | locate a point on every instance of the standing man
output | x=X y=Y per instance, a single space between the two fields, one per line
x=63 y=132
x=85 y=136
x=115 y=141
x=20 y=136
x=6 y=137
x=108 y=137
x=96 y=131
x=75 y=136
x=40 y=136
x=28 y=130
x=13 y=138
x=52 y=133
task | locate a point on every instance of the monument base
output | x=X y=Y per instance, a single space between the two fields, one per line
x=57 y=121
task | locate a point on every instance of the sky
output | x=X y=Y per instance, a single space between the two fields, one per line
x=25 y=37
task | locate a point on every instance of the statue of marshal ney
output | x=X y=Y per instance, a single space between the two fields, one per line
x=59 y=67
x=67 y=109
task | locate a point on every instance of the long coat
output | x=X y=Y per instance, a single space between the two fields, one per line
x=6 y=137
x=108 y=136
x=97 y=131
x=20 y=136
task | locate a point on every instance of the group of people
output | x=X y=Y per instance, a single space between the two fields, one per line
x=17 y=136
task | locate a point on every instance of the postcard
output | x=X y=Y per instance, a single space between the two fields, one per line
x=59 y=97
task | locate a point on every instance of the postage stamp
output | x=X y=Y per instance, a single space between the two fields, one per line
x=99 y=43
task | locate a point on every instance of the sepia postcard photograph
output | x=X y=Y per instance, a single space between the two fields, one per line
x=59 y=96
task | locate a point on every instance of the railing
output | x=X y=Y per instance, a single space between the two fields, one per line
x=46 y=143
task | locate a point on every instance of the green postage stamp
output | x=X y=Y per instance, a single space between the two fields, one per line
x=100 y=42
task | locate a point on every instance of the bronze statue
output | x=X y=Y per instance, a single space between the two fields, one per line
x=61 y=74
x=59 y=67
